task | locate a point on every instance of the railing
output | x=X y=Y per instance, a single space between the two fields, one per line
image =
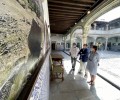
x=114 y=31
x=99 y=32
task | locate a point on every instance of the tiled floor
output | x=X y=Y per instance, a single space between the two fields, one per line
x=75 y=87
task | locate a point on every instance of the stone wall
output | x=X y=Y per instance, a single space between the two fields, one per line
x=21 y=32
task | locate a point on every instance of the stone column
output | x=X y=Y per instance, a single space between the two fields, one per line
x=80 y=41
x=85 y=34
x=106 y=41
x=84 y=39
x=65 y=43
x=95 y=26
x=94 y=43
x=71 y=39
x=107 y=27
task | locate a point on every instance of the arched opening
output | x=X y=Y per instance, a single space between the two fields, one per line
x=100 y=42
x=74 y=33
x=114 y=43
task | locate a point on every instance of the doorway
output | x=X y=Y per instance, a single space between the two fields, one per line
x=53 y=46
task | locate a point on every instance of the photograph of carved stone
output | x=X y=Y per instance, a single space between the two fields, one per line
x=34 y=5
x=17 y=56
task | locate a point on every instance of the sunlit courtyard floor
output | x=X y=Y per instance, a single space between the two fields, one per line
x=75 y=87
x=110 y=66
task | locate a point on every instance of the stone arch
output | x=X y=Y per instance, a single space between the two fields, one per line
x=72 y=33
x=73 y=30
x=100 y=10
x=100 y=42
x=114 y=43
x=115 y=39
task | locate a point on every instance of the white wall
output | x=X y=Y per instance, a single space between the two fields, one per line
x=58 y=39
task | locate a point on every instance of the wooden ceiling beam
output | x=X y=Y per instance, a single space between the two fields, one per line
x=68 y=19
x=67 y=7
x=63 y=13
x=64 y=20
x=62 y=10
x=55 y=6
x=68 y=3
x=88 y=1
x=59 y=17
x=70 y=23
x=66 y=13
x=59 y=25
x=60 y=28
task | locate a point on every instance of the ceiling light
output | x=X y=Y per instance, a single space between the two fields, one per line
x=82 y=20
x=88 y=12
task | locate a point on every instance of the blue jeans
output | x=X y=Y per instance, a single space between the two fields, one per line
x=73 y=61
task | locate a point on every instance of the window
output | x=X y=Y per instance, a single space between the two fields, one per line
x=62 y=43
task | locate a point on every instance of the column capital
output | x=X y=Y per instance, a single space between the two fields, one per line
x=85 y=34
x=86 y=29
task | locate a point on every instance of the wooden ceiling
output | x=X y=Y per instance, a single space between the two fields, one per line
x=65 y=13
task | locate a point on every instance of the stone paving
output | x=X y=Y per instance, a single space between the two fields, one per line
x=75 y=87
